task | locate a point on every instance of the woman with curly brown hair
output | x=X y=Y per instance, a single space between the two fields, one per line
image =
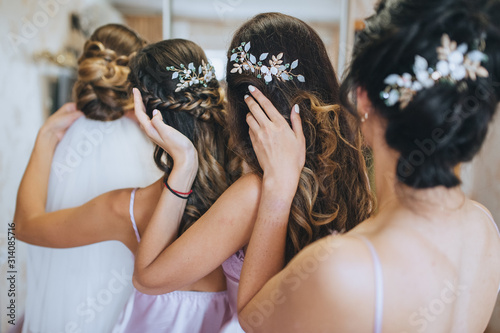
x=285 y=58
x=122 y=215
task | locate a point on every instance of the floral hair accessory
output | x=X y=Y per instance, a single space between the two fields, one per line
x=248 y=62
x=454 y=65
x=189 y=76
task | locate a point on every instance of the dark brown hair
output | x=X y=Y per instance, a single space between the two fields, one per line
x=197 y=112
x=102 y=90
x=333 y=192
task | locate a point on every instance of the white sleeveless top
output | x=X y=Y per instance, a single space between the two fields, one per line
x=84 y=289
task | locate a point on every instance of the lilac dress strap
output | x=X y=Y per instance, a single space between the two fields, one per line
x=379 y=285
x=132 y=218
x=174 y=312
x=490 y=217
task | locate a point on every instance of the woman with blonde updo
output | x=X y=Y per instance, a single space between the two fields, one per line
x=84 y=289
x=102 y=91
x=196 y=111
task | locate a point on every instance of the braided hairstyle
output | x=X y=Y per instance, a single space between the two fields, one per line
x=102 y=90
x=197 y=112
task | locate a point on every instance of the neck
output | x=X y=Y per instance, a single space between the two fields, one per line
x=389 y=190
x=385 y=162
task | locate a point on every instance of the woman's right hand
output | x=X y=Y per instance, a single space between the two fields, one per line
x=281 y=150
x=176 y=144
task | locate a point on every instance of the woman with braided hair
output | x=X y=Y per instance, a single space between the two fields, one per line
x=122 y=215
x=286 y=58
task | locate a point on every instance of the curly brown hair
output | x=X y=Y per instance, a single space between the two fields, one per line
x=102 y=90
x=333 y=192
x=198 y=112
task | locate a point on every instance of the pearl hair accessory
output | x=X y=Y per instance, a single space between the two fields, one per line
x=454 y=65
x=245 y=61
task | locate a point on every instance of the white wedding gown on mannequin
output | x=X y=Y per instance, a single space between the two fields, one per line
x=84 y=289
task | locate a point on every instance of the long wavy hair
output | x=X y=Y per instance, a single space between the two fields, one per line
x=333 y=192
x=198 y=112
x=102 y=91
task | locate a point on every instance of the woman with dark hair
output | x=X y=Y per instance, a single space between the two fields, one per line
x=197 y=112
x=424 y=77
x=333 y=193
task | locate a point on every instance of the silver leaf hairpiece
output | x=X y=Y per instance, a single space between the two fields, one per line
x=454 y=65
x=189 y=76
x=245 y=61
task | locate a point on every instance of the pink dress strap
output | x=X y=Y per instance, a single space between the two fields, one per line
x=131 y=212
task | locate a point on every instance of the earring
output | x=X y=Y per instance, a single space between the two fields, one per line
x=364 y=118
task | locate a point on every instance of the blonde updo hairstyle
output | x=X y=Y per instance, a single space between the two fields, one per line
x=102 y=90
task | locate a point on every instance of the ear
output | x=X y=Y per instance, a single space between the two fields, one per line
x=365 y=106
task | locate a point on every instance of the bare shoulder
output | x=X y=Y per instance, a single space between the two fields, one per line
x=249 y=181
x=483 y=208
x=338 y=272
x=246 y=187
x=235 y=211
x=339 y=259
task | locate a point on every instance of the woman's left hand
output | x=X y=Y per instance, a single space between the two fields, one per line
x=281 y=150
x=58 y=123
x=171 y=140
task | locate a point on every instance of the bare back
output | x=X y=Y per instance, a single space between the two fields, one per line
x=440 y=274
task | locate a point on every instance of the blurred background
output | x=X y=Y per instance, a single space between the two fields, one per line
x=41 y=41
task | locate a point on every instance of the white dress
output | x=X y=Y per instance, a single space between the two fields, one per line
x=84 y=289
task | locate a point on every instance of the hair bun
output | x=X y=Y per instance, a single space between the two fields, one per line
x=444 y=124
x=102 y=90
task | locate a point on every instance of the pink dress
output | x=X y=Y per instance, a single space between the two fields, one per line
x=175 y=312
x=232 y=270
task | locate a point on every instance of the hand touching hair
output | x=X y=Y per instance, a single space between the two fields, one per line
x=197 y=112
x=333 y=192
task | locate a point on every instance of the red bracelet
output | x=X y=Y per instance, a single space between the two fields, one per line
x=183 y=195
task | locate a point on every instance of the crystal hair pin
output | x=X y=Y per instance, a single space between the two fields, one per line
x=245 y=61
x=188 y=76
x=455 y=65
